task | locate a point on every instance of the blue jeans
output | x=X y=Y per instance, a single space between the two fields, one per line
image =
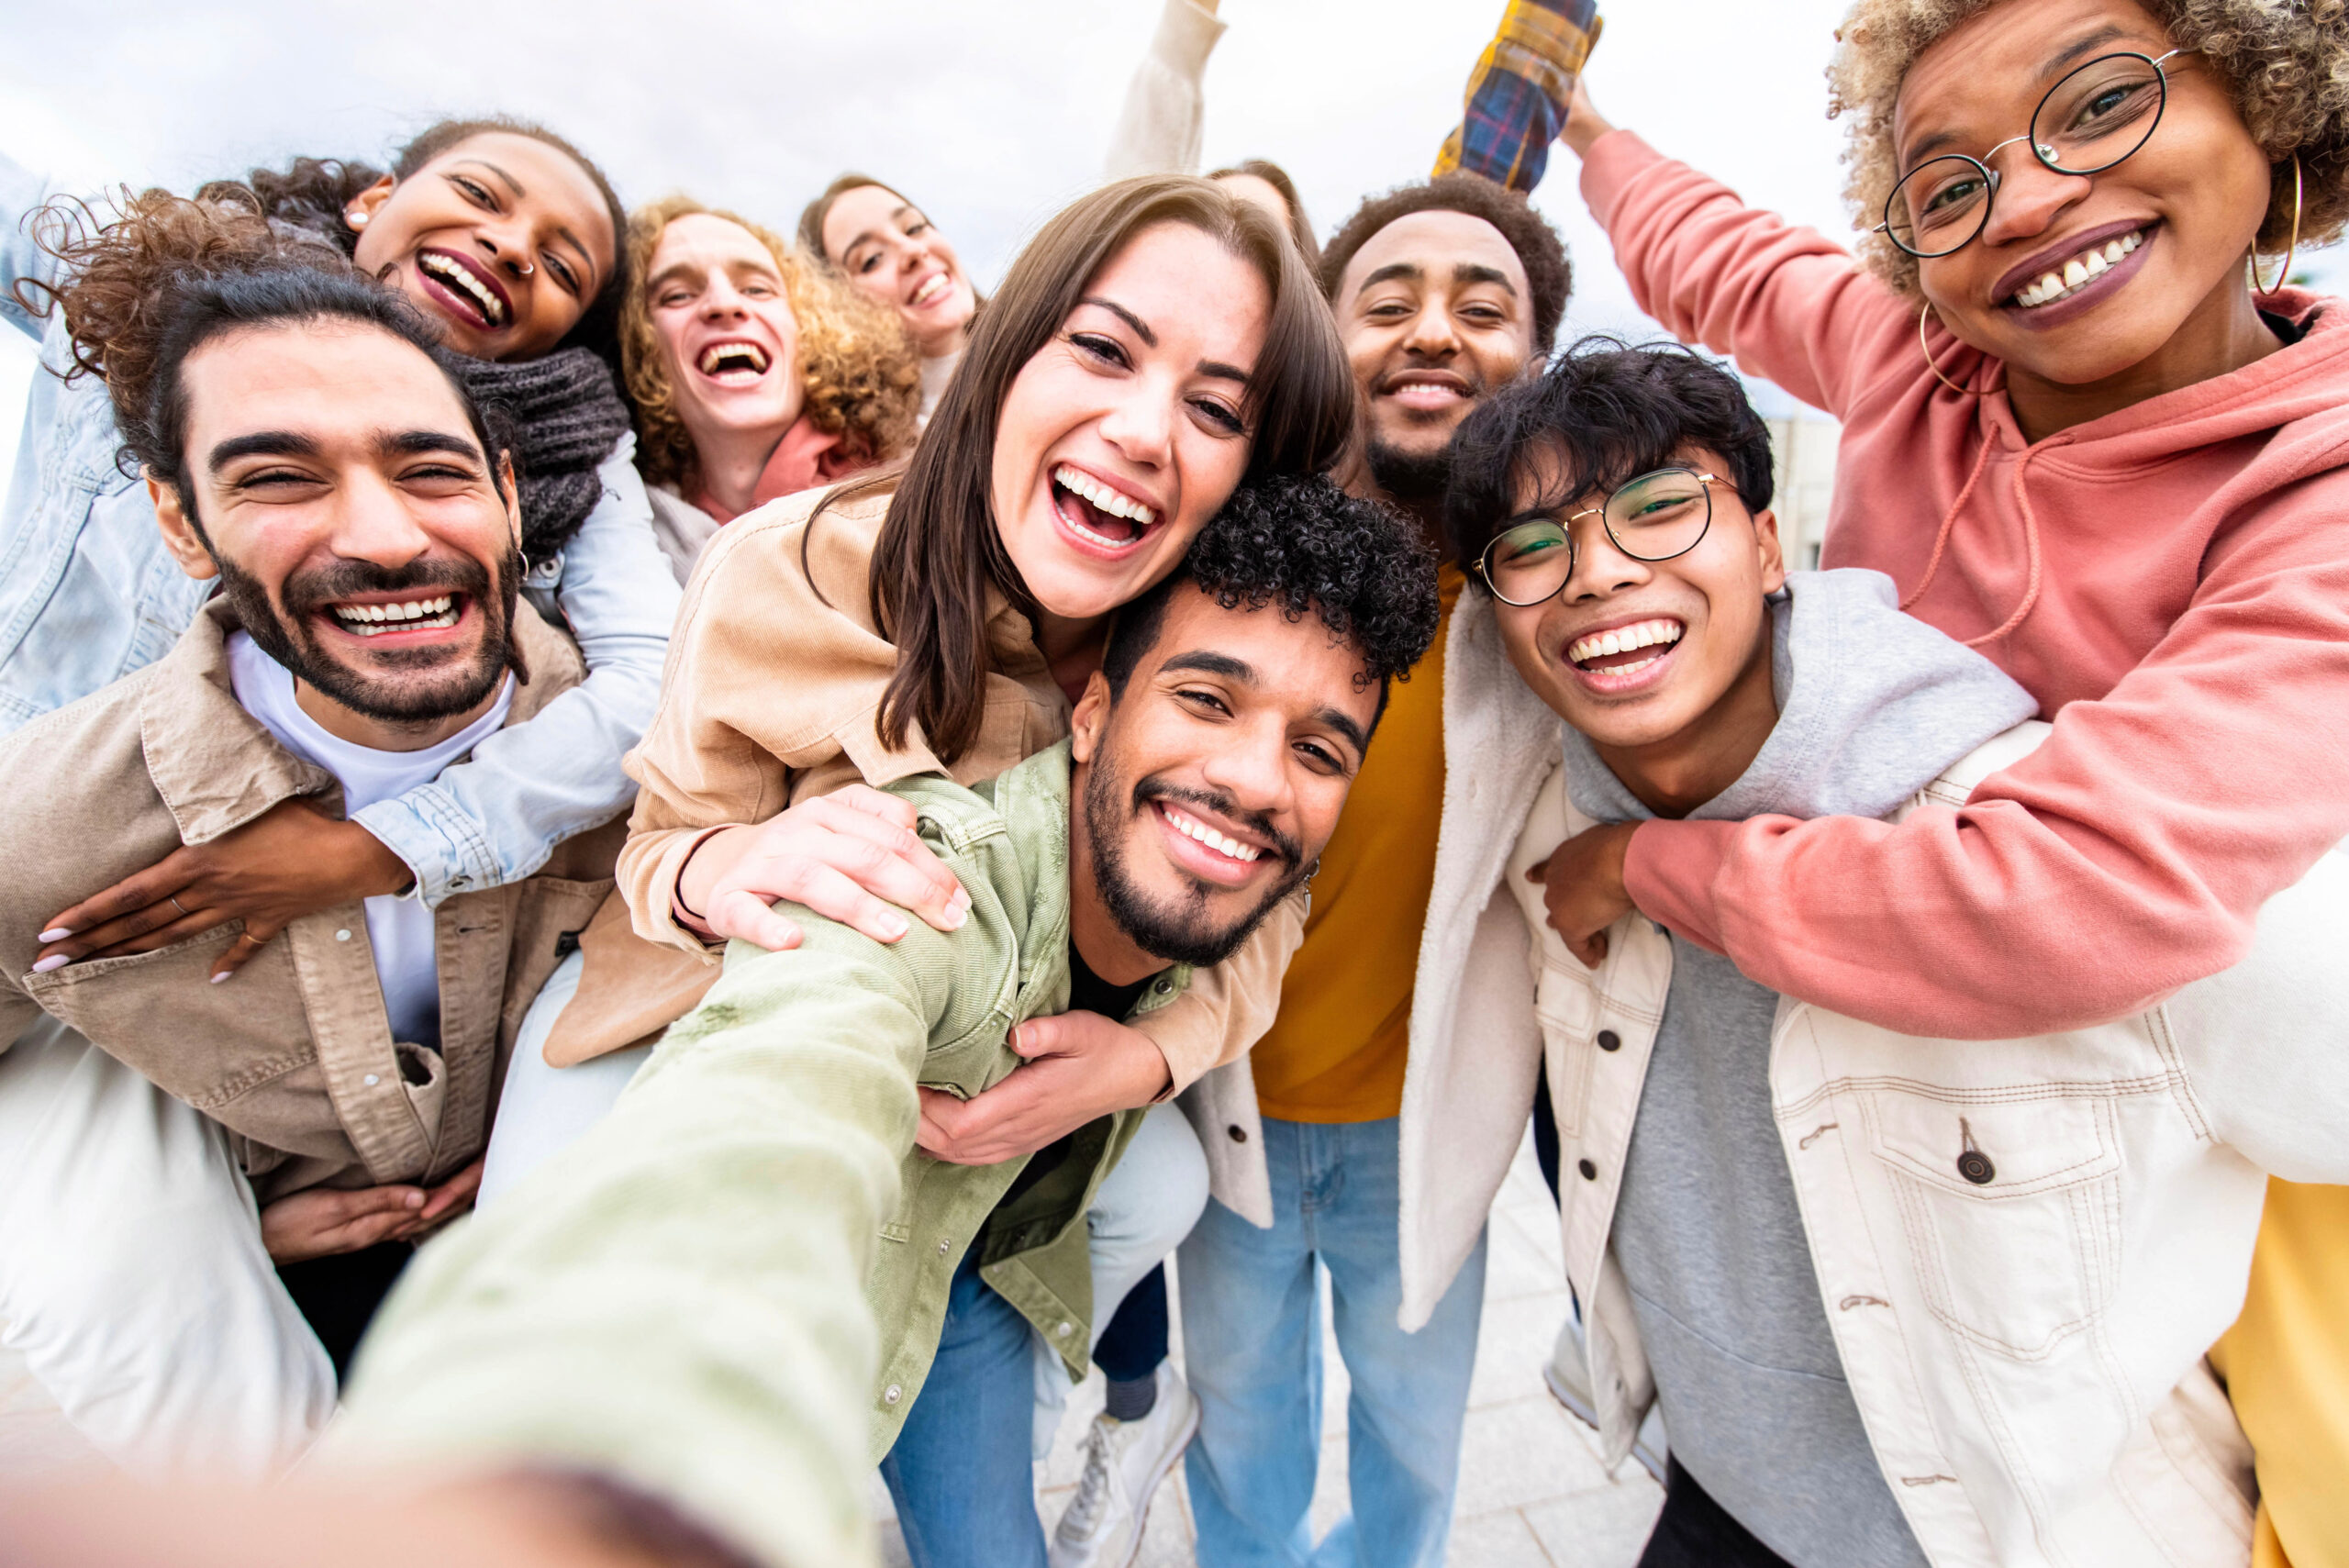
x=959 y=1471
x=1251 y=1340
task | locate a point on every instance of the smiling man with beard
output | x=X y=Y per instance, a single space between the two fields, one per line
x=1208 y=761
x=172 y=1129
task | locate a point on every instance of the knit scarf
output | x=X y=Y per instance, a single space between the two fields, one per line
x=566 y=415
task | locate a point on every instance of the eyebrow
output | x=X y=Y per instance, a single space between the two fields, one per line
x=294 y=443
x=1207 y=662
x=1216 y=370
x=2053 y=66
x=863 y=235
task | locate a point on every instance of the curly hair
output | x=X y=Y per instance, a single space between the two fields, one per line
x=862 y=374
x=1613 y=412
x=1305 y=546
x=1537 y=245
x=2286 y=63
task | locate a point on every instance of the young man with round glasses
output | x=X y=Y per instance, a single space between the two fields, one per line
x=1900 y=1299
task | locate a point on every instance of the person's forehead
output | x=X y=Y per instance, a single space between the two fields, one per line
x=1437 y=243
x=1299 y=664
x=1545 y=468
x=545 y=174
x=705 y=240
x=334 y=383
x=1999 y=60
x=861 y=210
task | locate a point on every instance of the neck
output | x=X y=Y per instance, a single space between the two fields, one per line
x=2223 y=335
x=384 y=734
x=1098 y=939
x=1675 y=775
x=944 y=345
x=1071 y=650
x=1427 y=511
x=731 y=463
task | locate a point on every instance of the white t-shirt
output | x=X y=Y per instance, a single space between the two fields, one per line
x=398 y=928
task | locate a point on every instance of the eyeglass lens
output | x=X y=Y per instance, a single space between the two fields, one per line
x=1654 y=518
x=2090 y=120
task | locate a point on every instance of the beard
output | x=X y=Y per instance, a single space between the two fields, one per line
x=1180 y=930
x=444 y=685
x=1412 y=478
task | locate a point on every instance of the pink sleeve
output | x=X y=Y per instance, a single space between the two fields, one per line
x=2127 y=856
x=1786 y=303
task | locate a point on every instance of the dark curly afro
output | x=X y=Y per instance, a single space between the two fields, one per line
x=1537 y=245
x=1306 y=546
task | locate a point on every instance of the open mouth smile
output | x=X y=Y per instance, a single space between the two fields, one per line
x=1204 y=851
x=1427 y=391
x=1097 y=514
x=437 y=612
x=472 y=294
x=2045 y=293
x=931 y=289
x=1615 y=657
x=735 y=362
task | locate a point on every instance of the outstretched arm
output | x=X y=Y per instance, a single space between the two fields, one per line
x=1159 y=128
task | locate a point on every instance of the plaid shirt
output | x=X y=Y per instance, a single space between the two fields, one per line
x=1517 y=95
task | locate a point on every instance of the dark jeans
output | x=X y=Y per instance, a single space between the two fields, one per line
x=1134 y=1343
x=340 y=1295
x=1693 y=1531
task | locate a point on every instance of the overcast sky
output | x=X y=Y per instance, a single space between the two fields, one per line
x=990 y=113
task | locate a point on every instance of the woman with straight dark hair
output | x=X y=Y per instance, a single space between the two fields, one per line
x=1159 y=342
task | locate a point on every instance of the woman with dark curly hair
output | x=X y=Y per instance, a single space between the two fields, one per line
x=756 y=373
x=505 y=238
x=2091 y=428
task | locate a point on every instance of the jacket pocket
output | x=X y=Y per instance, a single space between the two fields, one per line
x=2010 y=1209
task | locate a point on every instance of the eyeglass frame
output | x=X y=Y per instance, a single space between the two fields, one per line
x=1705 y=482
x=2039 y=152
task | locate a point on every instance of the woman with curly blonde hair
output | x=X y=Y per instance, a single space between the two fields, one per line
x=755 y=374
x=2090 y=429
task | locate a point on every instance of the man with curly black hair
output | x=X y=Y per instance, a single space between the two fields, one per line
x=1208 y=763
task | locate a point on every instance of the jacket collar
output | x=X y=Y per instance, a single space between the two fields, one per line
x=216 y=767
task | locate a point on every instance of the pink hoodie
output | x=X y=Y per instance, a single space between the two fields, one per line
x=2170 y=581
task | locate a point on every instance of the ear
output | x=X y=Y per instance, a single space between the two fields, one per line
x=362 y=207
x=513 y=488
x=1765 y=545
x=187 y=547
x=1091 y=717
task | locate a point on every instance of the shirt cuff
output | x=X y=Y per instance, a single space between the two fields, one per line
x=1669 y=871
x=443 y=847
x=1613 y=161
x=1187 y=34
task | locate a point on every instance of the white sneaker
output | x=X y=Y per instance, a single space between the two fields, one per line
x=1124 y=1463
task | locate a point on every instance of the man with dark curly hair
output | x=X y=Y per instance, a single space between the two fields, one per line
x=1445 y=291
x=1208 y=763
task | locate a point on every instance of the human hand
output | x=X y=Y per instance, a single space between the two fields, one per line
x=1584 y=124
x=293 y=860
x=324 y=1221
x=1079 y=1067
x=850 y=856
x=1582 y=887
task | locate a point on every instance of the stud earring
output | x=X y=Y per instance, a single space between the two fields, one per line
x=356 y=217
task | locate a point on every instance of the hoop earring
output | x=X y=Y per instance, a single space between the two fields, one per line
x=1927 y=350
x=2290 y=251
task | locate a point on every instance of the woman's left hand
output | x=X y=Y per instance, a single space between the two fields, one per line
x=1080 y=1066
x=292 y=861
x=1582 y=889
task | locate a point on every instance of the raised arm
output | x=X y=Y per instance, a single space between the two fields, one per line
x=1516 y=104
x=494 y=817
x=1158 y=129
x=1786 y=303
x=2127 y=856
x=22 y=194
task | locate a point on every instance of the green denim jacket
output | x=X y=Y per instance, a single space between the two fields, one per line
x=671 y=1298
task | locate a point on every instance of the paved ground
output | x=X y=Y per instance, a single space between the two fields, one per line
x=1533 y=1493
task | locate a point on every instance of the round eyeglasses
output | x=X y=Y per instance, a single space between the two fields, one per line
x=2093 y=118
x=1652 y=517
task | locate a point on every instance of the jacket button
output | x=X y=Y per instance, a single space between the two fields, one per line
x=342 y=936
x=370 y=1080
x=1609 y=1041
x=892 y=1394
x=1589 y=1172
x=943 y=1245
x=1064 y=1330
x=1238 y=1135
x=1976 y=1167
x=456 y=881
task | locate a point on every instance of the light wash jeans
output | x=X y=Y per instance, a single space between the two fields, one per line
x=1251 y=1340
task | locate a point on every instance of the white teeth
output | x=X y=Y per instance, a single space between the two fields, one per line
x=2081 y=269
x=414 y=615
x=1192 y=827
x=2112 y=253
x=1116 y=503
x=2096 y=264
x=2074 y=272
x=733 y=356
x=938 y=284
x=449 y=272
x=1623 y=640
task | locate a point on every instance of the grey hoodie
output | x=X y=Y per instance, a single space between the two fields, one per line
x=1872 y=707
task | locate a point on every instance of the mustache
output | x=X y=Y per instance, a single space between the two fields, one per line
x=1288 y=850
x=307 y=591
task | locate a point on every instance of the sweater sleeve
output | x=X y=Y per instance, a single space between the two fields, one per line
x=1159 y=129
x=2127 y=856
x=1786 y=303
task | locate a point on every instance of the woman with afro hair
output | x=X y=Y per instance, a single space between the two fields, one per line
x=2091 y=428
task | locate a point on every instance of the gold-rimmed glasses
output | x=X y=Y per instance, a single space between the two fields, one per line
x=1652 y=517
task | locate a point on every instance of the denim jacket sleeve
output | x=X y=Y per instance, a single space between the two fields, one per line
x=22 y=193
x=494 y=817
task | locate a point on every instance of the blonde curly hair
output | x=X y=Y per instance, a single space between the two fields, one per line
x=862 y=373
x=2285 y=61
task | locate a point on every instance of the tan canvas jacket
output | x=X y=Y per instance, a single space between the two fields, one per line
x=771 y=696
x=293 y=1055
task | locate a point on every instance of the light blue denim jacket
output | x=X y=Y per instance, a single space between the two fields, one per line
x=88 y=594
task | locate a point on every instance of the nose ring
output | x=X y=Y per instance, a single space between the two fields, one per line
x=527 y=268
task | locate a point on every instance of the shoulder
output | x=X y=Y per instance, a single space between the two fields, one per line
x=797 y=553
